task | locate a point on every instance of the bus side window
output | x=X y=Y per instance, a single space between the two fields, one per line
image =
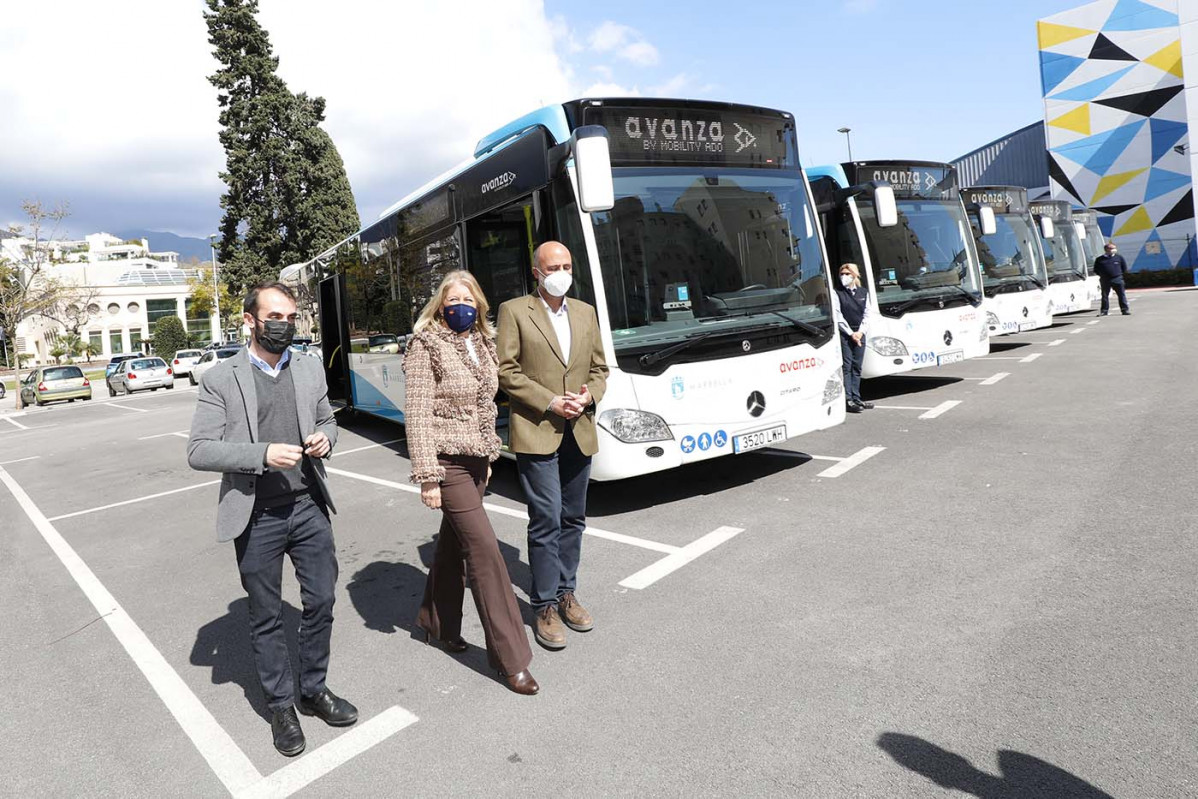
x=499 y=251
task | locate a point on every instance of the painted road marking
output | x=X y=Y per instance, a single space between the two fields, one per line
x=902 y=408
x=124 y=405
x=134 y=501
x=989 y=381
x=224 y=757
x=1031 y=357
x=513 y=512
x=21 y=460
x=856 y=459
x=675 y=561
x=940 y=409
x=180 y=433
x=369 y=446
x=319 y=762
x=1092 y=322
x=14 y=423
x=1056 y=343
x=1075 y=332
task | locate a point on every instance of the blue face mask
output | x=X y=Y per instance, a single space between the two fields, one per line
x=460 y=316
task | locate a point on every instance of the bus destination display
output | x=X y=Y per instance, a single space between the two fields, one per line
x=676 y=136
x=1003 y=199
x=1056 y=210
x=916 y=181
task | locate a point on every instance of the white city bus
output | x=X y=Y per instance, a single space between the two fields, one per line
x=921 y=274
x=1093 y=242
x=1068 y=273
x=1014 y=273
x=704 y=262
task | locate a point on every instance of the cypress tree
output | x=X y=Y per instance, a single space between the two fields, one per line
x=287 y=195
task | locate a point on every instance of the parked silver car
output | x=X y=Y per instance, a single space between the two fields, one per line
x=140 y=374
x=210 y=359
x=53 y=383
x=184 y=360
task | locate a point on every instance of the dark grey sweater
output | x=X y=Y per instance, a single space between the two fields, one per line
x=278 y=423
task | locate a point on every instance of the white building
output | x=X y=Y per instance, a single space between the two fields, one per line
x=133 y=288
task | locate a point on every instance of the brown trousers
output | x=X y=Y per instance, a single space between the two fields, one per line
x=467 y=538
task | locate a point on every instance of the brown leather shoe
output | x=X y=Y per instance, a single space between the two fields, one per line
x=521 y=683
x=548 y=629
x=574 y=614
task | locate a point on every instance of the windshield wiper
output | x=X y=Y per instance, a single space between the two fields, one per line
x=650 y=358
x=800 y=324
x=903 y=306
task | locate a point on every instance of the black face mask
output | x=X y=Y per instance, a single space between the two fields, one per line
x=275 y=335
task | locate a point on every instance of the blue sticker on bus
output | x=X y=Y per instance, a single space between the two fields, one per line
x=705 y=441
x=720 y=438
x=688 y=444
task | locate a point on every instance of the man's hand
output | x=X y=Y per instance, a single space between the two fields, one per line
x=566 y=407
x=582 y=398
x=859 y=338
x=317 y=445
x=283 y=456
x=430 y=495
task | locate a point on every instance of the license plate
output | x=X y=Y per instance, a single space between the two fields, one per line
x=950 y=357
x=1026 y=326
x=758 y=439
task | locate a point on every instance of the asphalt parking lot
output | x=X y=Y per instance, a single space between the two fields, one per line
x=983 y=586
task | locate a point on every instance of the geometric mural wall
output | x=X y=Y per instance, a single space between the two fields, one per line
x=1115 y=112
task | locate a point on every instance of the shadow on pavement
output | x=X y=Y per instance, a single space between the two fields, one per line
x=1188 y=288
x=899 y=385
x=1007 y=346
x=1021 y=776
x=224 y=645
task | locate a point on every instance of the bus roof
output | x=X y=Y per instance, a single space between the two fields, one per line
x=834 y=171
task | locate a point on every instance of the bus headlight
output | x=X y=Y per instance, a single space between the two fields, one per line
x=992 y=318
x=985 y=333
x=885 y=345
x=833 y=388
x=635 y=427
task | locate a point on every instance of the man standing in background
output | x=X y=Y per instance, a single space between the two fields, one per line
x=1110 y=269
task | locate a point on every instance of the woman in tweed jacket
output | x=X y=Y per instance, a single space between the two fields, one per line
x=452 y=376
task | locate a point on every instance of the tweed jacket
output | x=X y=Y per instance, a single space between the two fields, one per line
x=224 y=433
x=533 y=370
x=449 y=404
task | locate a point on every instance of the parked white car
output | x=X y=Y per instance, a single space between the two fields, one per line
x=140 y=374
x=184 y=360
x=209 y=359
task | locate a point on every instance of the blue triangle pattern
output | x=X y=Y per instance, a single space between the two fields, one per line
x=1107 y=225
x=1165 y=134
x=1083 y=150
x=1136 y=15
x=1106 y=155
x=1162 y=181
x=1157 y=260
x=1055 y=67
x=1091 y=89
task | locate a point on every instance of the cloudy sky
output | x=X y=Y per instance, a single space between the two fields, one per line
x=106 y=105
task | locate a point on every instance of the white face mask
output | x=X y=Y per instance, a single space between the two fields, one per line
x=846 y=281
x=557 y=283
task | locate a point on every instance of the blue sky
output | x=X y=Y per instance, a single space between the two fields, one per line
x=121 y=122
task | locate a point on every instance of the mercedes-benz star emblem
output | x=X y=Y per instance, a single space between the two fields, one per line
x=1025 y=312
x=939 y=303
x=948 y=337
x=756 y=403
x=745 y=345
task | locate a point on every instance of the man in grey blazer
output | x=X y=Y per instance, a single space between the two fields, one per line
x=263 y=419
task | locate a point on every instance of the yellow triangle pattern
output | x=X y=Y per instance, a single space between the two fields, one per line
x=1136 y=222
x=1167 y=59
x=1051 y=34
x=1077 y=120
x=1112 y=182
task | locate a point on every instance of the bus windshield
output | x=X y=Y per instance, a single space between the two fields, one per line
x=927 y=254
x=1010 y=258
x=1064 y=254
x=689 y=252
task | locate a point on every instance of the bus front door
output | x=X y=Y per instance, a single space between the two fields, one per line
x=333 y=336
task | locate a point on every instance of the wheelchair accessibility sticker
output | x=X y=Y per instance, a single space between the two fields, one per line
x=720 y=438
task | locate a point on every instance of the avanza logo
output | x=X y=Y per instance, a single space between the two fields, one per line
x=684 y=135
x=500 y=182
x=799 y=365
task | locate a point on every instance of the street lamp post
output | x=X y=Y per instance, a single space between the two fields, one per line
x=848 y=140
x=220 y=333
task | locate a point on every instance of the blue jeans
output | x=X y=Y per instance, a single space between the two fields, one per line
x=556 y=488
x=1116 y=283
x=853 y=357
x=303 y=532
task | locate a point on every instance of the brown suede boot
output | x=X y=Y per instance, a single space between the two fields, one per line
x=548 y=629
x=574 y=614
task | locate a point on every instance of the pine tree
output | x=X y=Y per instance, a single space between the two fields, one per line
x=287 y=194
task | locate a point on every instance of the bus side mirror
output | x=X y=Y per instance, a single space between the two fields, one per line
x=1046 y=228
x=986 y=218
x=592 y=163
x=1081 y=229
x=885 y=208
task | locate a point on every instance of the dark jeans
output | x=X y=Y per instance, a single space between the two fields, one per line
x=556 y=488
x=302 y=531
x=1115 y=283
x=853 y=356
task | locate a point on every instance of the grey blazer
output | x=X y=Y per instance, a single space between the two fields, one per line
x=224 y=433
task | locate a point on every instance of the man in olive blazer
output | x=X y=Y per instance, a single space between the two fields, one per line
x=552 y=368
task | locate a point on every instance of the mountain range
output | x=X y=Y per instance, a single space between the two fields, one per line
x=161 y=241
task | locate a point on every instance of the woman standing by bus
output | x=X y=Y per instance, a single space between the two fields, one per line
x=854 y=321
x=452 y=376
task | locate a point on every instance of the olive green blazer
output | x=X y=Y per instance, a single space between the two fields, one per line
x=533 y=370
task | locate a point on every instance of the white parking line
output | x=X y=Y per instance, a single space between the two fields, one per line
x=518 y=514
x=1075 y=332
x=989 y=381
x=14 y=423
x=940 y=409
x=316 y=764
x=224 y=757
x=368 y=446
x=180 y=433
x=21 y=460
x=856 y=459
x=673 y=562
x=903 y=407
x=1031 y=357
x=1056 y=343
x=124 y=405
x=134 y=501
x=1092 y=322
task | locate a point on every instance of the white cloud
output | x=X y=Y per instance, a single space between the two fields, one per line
x=623 y=42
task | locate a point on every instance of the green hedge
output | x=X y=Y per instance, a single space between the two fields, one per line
x=1160 y=277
